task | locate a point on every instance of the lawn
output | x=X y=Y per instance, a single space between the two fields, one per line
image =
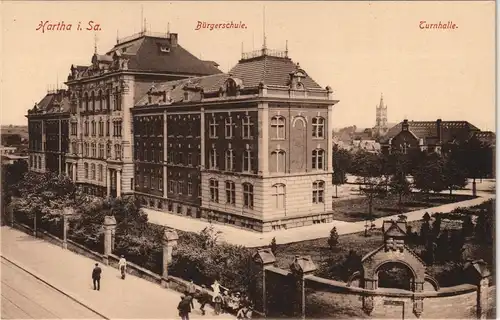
x=352 y=210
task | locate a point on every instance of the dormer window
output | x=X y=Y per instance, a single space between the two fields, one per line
x=165 y=49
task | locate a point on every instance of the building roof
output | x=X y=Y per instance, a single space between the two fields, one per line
x=152 y=52
x=247 y=75
x=487 y=137
x=175 y=89
x=427 y=130
x=54 y=102
x=270 y=70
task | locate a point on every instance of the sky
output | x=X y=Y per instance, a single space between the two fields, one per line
x=360 y=49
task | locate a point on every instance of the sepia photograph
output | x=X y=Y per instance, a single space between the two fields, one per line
x=248 y=159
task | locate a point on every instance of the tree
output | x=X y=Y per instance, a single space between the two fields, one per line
x=436 y=226
x=477 y=159
x=341 y=163
x=425 y=228
x=467 y=226
x=333 y=240
x=351 y=264
x=400 y=186
x=428 y=176
x=369 y=169
x=274 y=246
x=455 y=176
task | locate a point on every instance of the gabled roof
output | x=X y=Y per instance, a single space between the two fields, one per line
x=270 y=70
x=145 y=54
x=427 y=130
x=54 y=102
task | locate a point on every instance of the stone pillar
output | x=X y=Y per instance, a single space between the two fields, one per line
x=165 y=153
x=118 y=183
x=109 y=227
x=73 y=171
x=66 y=212
x=482 y=298
x=263 y=138
x=301 y=267
x=264 y=258
x=170 y=238
x=474 y=188
x=202 y=136
x=108 y=182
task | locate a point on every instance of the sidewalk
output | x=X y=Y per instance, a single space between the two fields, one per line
x=133 y=298
x=253 y=239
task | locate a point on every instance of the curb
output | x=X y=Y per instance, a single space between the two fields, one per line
x=67 y=294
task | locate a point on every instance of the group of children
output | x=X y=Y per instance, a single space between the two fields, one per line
x=223 y=302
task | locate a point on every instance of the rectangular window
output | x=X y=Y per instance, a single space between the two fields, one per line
x=190 y=188
x=229 y=128
x=214 y=190
x=180 y=187
x=86 y=168
x=213 y=128
x=247 y=195
x=318 y=192
x=189 y=159
x=230 y=192
x=171 y=186
x=247 y=160
x=247 y=128
x=181 y=158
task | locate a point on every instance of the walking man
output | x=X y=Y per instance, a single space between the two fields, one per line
x=203 y=298
x=96 y=277
x=122 y=265
x=191 y=291
x=184 y=308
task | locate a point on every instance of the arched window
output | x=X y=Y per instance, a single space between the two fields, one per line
x=107 y=103
x=248 y=160
x=86 y=170
x=213 y=158
x=278 y=158
x=99 y=100
x=318 y=159
x=94 y=150
x=278 y=127
x=279 y=196
x=92 y=170
x=92 y=97
x=318 y=192
x=86 y=100
x=214 y=190
x=247 y=195
x=318 y=126
x=230 y=192
x=229 y=160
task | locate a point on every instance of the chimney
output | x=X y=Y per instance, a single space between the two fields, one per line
x=173 y=39
x=439 y=130
x=404 y=126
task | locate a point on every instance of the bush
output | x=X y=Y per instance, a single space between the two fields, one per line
x=333 y=241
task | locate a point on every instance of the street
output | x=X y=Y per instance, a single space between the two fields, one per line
x=25 y=297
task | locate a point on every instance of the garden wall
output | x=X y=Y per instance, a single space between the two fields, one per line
x=325 y=298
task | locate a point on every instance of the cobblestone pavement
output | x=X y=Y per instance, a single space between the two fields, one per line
x=133 y=298
x=249 y=238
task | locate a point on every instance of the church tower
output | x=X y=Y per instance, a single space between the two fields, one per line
x=381 y=118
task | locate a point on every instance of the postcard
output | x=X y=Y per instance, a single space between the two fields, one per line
x=239 y=159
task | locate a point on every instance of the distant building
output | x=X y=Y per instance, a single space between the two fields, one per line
x=12 y=158
x=7 y=150
x=48 y=128
x=381 y=125
x=431 y=135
